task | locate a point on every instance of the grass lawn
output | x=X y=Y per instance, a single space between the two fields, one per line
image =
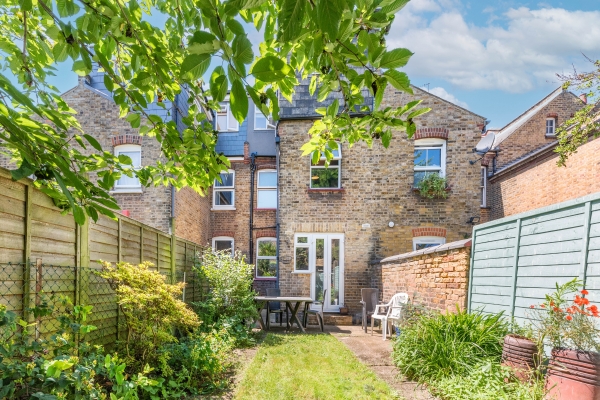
x=308 y=367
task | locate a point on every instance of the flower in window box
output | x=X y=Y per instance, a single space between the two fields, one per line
x=433 y=186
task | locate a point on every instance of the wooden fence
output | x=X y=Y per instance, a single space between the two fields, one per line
x=516 y=260
x=43 y=253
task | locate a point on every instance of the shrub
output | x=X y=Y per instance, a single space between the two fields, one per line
x=440 y=345
x=151 y=307
x=487 y=381
x=230 y=302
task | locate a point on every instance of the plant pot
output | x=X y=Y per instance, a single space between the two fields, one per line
x=520 y=354
x=573 y=374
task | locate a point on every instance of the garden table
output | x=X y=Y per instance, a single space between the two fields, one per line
x=291 y=303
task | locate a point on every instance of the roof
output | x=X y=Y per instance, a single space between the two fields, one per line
x=446 y=101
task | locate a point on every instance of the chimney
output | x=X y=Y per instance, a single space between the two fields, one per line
x=583 y=98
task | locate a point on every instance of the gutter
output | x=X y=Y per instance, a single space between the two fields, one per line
x=251 y=222
x=277 y=143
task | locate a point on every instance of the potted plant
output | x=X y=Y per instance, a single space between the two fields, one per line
x=570 y=327
x=521 y=352
x=433 y=186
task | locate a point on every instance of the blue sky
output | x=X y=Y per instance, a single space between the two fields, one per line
x=496 y=58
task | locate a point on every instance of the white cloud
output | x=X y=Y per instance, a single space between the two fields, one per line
x=442 y=93
x=531 y=47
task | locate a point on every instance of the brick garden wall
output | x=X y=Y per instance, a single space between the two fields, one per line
x=437 y=279
x=540 y=182
x=192 y=216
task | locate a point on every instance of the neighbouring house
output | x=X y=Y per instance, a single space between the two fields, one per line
x=520 y=171
x=336 y=222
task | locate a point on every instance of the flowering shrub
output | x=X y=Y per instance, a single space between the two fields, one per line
x=568 y=323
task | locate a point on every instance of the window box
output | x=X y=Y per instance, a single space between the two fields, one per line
x=325 y=190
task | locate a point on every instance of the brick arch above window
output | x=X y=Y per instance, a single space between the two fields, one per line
x=426 y=133
x=429 y=231
x=126 y=139
x=223 y=234
x=266 y=166
x=266 y=233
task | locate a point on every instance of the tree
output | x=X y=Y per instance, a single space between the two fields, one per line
x=577 y=130
x=338 y=44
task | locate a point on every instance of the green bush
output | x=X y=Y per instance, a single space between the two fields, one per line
x=433 y=186
x=487 y=381
x=230 y=301
x=437 y=346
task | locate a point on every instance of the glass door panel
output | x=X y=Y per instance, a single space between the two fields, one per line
x=334 y=274
x=320 y=273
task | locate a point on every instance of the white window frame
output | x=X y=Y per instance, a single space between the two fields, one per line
x=428 y=240
x=310 y=245
x=432 y=143
x=232 y=123
x=259 y=257
x=128 y=148
x=337 y=158
x=483 y=186
x=553 y=127
x=224 y=238
x=260 y=188
x=270 y=124
x=217 y=189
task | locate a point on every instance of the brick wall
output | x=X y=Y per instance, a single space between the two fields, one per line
x=437 y=279
x=236 y=223
x=192 y=216
x=540 y=182
x=532 y=134
x=377 y=186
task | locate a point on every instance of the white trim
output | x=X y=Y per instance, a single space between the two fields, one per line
x=431 y=144
x=231 y=189
x=553 y=127
x=437 y=240
x=232 y=124
x=235 y=158
x=303 y=245
x=259 y=257
x=270 y=124
x=337 y=158
x=128 y=148
x=483 y=188
x=224 y=238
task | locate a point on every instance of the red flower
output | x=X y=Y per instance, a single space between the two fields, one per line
x=584 y=292
x=532 y=306
x=569 y=318
x=578 y=300
x=585 y=301
x=556 y=309
x=594 y=310
x=543 y=305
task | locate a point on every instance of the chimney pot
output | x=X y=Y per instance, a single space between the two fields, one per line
x=583 y=98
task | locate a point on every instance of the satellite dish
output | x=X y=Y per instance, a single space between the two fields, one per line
x=485 y=144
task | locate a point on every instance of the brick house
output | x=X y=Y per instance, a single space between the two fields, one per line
x=519 y=173
x=335 y=223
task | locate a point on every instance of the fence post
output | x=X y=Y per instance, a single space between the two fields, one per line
x=471 y=262
x=39 y=284
x=119 y=241
x=173 y=253
x=84 y=244
x=586 y=240
x=515 y=270
x=141 y=244
x=26 y=291
x=158 y=251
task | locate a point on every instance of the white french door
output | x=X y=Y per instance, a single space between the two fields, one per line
x=327 y=266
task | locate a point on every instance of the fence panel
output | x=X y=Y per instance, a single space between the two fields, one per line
x=517 y=260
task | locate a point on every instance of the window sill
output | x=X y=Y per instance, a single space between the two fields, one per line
x=126 y=191
x=222 y=209
x=265 y=209
x=302 y=272
x=550 y=136
x=417 y=190
x=265 y=278
x=320 y=190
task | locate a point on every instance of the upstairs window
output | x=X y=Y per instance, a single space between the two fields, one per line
x=424 y=242
x=223 y=243
x=224 y=191
x=429 y=158
x=266 y=258
x=550 y=127
x=134 y=152
x=327 y=178
x=483 y=186
x=225 y=120
x=267 y=189
x=261 y=122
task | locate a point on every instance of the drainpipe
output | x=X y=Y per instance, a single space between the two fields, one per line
x=251 y=223
x=277 y=141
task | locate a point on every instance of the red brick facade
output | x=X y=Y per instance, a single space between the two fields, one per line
x=440 y=133
x=429 y=231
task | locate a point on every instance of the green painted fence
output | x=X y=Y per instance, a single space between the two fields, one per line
x=516 y=260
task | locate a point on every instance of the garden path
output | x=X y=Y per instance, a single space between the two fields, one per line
x=376 y=354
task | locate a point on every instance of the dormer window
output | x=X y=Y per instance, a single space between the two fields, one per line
x=550 y=126
x=262 y=123
x=225 y=119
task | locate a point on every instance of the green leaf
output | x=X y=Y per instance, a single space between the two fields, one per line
x=91 y=140
x=392 y=6
x=194 y=66
x=333 y=108
x=399 y=80
x=203 y=42
x=26 y=5
x=24 y=170
x=238 y=101
x=80 y=68
x=242 y=49
x=66 y=8
x=329 y=15
x=60 y=51
x=270 y=69
x=235 y=27
x=134 y=119
x=290 y=19
x=395 y=58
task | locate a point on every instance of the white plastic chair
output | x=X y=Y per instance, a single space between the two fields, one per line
x=386 y=313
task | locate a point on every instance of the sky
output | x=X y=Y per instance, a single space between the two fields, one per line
x=495 y=58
